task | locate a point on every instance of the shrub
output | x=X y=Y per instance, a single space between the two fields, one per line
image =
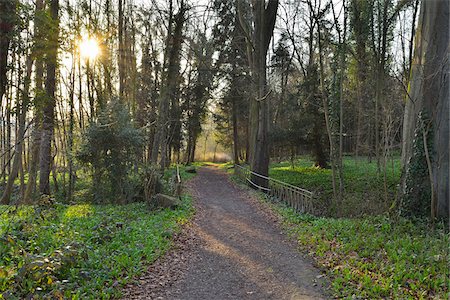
x=110 y=147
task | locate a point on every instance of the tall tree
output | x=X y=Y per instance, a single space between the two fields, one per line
x=21 y=107
x=232 y=67
x=37 y=54
x=425 y=155
x=121 y=58
x=7 y=16
x=48 y=112
x=170 y=83
x=195 y=104
x=360 y=12
x=258 y=40
x=7 y=21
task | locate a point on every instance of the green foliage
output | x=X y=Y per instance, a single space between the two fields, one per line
x=371 y=257
x=363 y=186
x=110 y=147
x=233 y=73
x=374 y=257
x=81 y=251
x=314 y=116
x=417 y=195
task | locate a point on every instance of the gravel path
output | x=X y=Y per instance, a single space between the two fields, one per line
x=234 y=250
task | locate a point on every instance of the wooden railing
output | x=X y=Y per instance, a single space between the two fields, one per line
x=299 y=199
x=178 y=183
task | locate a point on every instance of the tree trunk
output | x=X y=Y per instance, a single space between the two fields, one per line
x=22 y=110
x=427 y=116
x=39 y=74
x=264 y=17
x=121 y=59
x=48 y=111
x=70 y=135
x=174 y=43
x=7 y=15
x=235 y=132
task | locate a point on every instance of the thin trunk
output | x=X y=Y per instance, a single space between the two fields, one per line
x=169 y=90
x=7 y=16
x=70 y=135
x=8 y=132
x=235 y=132
x=121 y=59
x=22 y=110
x=45 y=161
x=326 y=111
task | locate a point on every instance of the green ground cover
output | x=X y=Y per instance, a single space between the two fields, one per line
x=375 y=257
x=366 y=254
x=364 y=187
x=81 y=251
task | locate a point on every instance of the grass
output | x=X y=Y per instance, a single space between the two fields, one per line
x=364 y=192
x=367 y=255
x=374 y=257
x=82 y=251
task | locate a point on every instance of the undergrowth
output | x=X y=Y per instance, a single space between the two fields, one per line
x=374 y=257
x=364 y=192
x=370 y=257
x=81 y=251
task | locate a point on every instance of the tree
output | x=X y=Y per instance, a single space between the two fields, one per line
x=170 y=83
x=109 y=147
x=258 y=39
x=48 y=112
x=7 y=16
x=38 y=56
x=232 y=67
x=198 y=91
x=425 y=154
x=360 y=12
x=22 y=106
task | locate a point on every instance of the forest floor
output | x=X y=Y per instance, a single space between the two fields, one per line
x=234 y=249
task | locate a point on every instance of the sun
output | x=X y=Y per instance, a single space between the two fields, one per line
x=89 y=48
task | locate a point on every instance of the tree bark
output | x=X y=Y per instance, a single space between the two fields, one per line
x=7 y=15
x=173 y=44
x=22 y=110
x=264 y=16
x=427 y=107
x=48 y=111
x=39 y=74
x=235 y=132
x=121 y=59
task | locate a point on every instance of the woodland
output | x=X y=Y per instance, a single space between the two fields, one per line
x=104 y=104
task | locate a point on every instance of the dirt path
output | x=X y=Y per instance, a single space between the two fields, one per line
x=234 y=251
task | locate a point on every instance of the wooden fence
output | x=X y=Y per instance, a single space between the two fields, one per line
x=299 y=199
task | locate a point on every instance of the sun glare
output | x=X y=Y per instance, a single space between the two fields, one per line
x=89 y=48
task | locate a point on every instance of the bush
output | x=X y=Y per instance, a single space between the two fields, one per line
x=110 y=148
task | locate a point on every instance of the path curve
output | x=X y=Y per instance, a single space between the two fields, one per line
x=239 y=252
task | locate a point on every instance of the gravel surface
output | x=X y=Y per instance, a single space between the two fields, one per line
x=233 y=250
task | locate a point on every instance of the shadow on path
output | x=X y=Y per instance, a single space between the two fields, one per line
x=239 y=252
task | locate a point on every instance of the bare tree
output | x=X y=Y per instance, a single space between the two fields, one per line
x=170 y=82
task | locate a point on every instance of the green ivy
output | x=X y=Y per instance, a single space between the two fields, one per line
x=417 y=194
